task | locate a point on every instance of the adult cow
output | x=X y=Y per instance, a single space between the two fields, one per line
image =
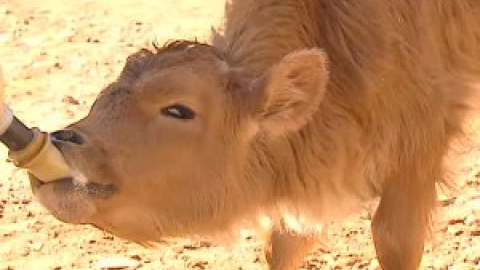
x=194 y=139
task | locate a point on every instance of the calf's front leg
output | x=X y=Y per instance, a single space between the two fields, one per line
x=286 y=249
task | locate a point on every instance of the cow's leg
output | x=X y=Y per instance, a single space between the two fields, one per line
x=286 y=250
x=401 y=222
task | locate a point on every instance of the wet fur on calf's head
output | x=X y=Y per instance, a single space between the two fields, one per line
x=171 y=53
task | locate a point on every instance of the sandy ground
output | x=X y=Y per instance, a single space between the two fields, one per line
x=57 y=55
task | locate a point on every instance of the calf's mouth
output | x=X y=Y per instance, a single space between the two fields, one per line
x=71 y=200
x=67 y=185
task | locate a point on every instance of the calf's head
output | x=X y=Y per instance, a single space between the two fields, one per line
x=164 y=149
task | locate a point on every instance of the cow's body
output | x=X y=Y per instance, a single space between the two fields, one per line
x=196 y=138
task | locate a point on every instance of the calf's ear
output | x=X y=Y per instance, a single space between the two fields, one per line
x=290 y=92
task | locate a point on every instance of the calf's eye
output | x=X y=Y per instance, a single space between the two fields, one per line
x=178 y=111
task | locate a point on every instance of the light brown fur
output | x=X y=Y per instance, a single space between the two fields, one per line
x=300 y=134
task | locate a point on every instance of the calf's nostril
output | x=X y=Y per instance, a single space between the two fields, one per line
x=67 y=135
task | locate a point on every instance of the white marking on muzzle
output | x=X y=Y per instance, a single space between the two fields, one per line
x=79 y=178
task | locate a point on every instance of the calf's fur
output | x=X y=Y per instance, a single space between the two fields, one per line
x=314 y=108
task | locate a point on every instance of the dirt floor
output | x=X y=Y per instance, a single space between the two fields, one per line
x=57 y=55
